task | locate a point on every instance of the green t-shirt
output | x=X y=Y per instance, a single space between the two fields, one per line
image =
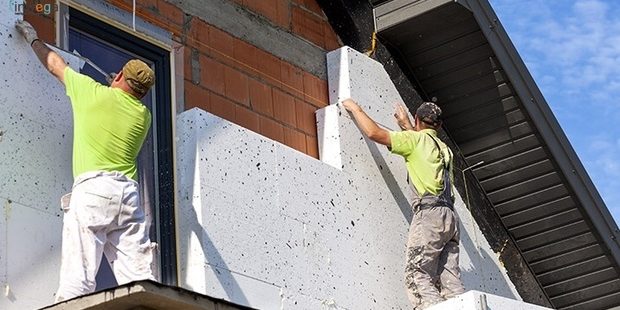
x=422 y=158
x=109 y=126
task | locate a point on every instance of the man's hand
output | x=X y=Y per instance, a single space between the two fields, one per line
x=50 y=59
x=351 y=105
x=26 y=30
x=366 y=124
x=402 y=118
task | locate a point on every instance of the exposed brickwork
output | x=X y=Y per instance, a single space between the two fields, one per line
x=187 y=61
x=312 y=146
x=170 y=12
x=308 y=25
x=306 y=121
x=312 y=6
x=276 y=11
x=222 y=107
x=236 y=80
x=315 y=90
x=236 y=85
x=292 y=78
x=247 y=118
x=295 y=139
x=196 y=97
x=156 y=12
x=212 y=75
x=272 y=129
x=331 y=39
x=284 y=107
x=44 y=24
x=199 y=30
x=273 y=97
x=248 y=85
x=261 y=98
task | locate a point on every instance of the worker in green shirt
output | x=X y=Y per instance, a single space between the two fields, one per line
x=103 y=214
x=432 y=270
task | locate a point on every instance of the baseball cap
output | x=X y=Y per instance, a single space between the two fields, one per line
x=139 y=76
x=429 y=113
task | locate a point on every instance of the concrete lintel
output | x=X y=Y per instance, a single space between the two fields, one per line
x=145 y=295
x=244 y=25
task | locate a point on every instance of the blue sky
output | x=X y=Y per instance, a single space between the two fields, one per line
x=572 y=48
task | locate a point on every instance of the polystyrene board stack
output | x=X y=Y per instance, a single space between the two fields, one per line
x=258 y=216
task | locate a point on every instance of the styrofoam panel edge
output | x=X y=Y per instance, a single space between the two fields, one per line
x=328 y=133
x=473 y=300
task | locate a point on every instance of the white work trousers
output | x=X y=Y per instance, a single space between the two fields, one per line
x=103 y=215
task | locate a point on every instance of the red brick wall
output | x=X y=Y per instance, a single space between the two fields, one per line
x=238 y=81
x=44 y=24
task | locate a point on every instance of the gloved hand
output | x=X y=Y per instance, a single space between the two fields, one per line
x=402 y=118
x=26 y=29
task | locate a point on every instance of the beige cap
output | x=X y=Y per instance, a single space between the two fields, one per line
x=139 y=76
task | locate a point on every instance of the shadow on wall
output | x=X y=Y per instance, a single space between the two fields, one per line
x=224 y=275
x=228 y=283
x=480 y=267
x=390 y=180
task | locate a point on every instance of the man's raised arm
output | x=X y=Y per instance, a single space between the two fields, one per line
x=50 y=59
x=366 y=124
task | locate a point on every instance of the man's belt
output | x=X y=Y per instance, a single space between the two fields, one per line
x=428 y=202
x=424 y=207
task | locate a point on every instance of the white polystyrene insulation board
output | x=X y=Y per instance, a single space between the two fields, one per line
x=35 y=170
x=475 y=300
x=257 y=216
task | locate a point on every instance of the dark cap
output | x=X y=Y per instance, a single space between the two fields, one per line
x=429 y=113
x=139 y=76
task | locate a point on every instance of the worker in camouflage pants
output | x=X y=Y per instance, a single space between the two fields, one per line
x=432 y=271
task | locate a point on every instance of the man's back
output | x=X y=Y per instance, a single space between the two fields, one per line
x=110 y=126
x=424 y=162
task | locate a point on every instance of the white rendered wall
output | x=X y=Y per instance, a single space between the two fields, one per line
x=263 y=225
x=475 y=300
x=35 y=170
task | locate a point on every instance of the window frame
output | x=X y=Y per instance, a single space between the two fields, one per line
x=163 y=120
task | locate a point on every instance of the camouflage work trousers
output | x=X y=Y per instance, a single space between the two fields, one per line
x=432 y=271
